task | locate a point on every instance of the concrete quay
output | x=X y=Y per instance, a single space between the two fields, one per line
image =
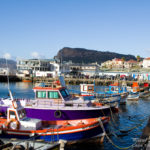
x=77 y=81
x=12 y=78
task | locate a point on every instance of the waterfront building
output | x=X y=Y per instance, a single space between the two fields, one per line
x=114 y=63
x=37 y=67
x=146 y=63
x=4 y=71
x=117 y=63
x=86 y=69
x=131 y=63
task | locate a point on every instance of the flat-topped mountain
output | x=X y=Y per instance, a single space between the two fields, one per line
x=81 y=55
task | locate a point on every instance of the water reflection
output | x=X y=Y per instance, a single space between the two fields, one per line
x=19 y=90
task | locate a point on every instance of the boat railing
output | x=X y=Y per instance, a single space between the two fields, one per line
x=51 y=103
x=106 y=95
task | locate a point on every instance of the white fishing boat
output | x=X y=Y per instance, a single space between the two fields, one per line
x=133 y=96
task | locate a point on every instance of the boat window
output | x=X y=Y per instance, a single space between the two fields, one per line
x=53 y=94
x=22 y=113
x=64 y=93
x=90 y=88
x=116 y=89
x=12 y=115
x=41 y=94
x=85 y=88
x=67 y=92
x=112 y=89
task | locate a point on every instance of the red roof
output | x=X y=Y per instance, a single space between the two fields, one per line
x=132 y=61
x=117 y=59
x=148 y=58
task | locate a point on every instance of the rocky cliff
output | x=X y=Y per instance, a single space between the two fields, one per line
x=81 y=55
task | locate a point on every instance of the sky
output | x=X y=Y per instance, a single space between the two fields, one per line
x=40 y=28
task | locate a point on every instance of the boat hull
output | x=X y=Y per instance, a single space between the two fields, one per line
x=69 y=135
x=60 y=114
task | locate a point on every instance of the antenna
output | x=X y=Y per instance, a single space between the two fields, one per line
x=8 y=81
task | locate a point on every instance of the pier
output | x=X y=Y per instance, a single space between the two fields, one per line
x=77 y=81
x=12 y=78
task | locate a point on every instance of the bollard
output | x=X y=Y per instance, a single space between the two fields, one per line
x=62 y=144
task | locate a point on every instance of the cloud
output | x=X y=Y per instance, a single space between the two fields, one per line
x=7 y=56
x=35 y=55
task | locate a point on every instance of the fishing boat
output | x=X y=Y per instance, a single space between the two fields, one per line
x=18 y=125
x=55 y=103
x=99 y=98
x=116 y=89
x=26 y=79
x=135 y=87
x=133 y=96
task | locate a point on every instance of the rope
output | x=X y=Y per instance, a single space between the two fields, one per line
x=127 y=129
x=101 y=124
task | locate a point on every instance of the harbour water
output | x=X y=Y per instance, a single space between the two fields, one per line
x=125 y=126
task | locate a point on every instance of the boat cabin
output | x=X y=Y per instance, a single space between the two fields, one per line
x=117 y=89
x=17 y=120
x=47 y=93
x=135 y=87
x=87 y=89
x=49 y=96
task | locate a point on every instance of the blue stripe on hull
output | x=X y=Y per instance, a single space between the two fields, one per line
x=76 y=136
x=69 y=137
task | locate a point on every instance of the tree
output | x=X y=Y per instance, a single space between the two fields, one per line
x=123 y=59
x=138 y=58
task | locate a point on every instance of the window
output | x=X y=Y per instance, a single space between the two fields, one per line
x=90 y=88
x=53 y=94
x=67 y=92
x=41 y=94
x=22 y=113
x=85 y=88
x=64 y=93
x=12 y=115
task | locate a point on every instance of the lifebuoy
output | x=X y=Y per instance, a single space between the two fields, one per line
x=13 y=124
x=57 y=113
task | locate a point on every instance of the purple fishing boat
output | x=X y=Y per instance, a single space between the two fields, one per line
x=55 y=103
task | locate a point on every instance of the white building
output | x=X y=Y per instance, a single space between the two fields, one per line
x=114 y=63
x=146 y=63
x=38 y=67
x=4 y=71
x=86 y=69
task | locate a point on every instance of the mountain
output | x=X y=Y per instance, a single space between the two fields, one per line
x=11 y=63
x=81 y=55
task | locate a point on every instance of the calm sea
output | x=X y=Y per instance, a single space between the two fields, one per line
x=131 y=119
